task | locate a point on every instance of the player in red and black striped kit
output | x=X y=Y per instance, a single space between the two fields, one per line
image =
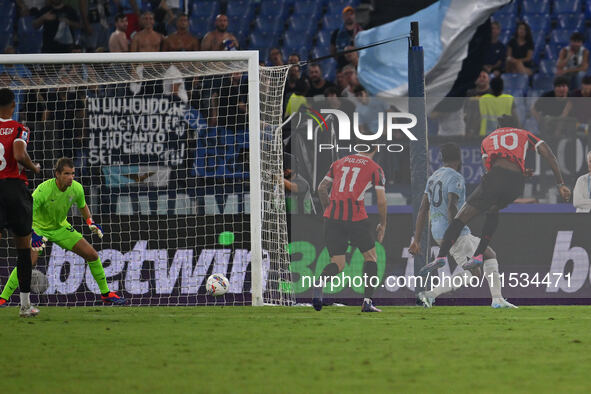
x=503 y=156
x=16 y=201
x=346 y=219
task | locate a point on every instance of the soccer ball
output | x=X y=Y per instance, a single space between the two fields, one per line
x=217 y=285
x=39 y=282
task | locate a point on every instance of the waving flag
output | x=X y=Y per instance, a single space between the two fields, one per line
x=446 y=28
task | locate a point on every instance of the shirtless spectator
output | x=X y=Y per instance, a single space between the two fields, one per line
x=214 y=40
x=182 y=39
x=118 y=41
x=147 y=40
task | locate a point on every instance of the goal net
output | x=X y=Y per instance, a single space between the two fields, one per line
x=180 y=157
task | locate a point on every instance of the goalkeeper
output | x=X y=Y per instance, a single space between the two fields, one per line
x=52 y=201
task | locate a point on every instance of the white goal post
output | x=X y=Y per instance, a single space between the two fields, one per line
x=269 y=260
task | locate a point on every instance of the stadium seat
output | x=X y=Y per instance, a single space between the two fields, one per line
x=300 y=23
x=505 y=36
x=587 y=6
x=547 y=66
x=269 y=24
x=567 y=6
x=560 y=36
x=260 y=40
x=5 y=40
x=507 y=11
x=516 y=83
x=336 y=7
x=200 y=25
x=539 y=23
x=239 y=26
x=535 y=6
x=552 y=51
x=241 y=8
x=543 y=82
x=205 y=8
x=329 y=69
x=331 y=22
x=312 y=9
x=277 y=10
x=572 y=22
x=323 y=38
x=292 y=40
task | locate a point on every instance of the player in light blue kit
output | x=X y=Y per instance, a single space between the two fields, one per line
x=444 y=195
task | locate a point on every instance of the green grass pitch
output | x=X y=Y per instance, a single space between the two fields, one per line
x=297 y=350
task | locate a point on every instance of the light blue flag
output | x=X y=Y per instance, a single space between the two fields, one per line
x=446 y=27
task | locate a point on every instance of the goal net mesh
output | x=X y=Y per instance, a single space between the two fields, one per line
x=162 y=151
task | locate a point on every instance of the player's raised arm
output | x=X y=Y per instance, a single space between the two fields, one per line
x=94 y=227
x=19 y=149
x=415 y=246
x=546 y=152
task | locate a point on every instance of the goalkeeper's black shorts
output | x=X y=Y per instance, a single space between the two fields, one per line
x=338 y=233
x=16 y=206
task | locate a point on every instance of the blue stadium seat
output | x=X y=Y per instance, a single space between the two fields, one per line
x=516 y=83
x=8 y=8
x=276 y=9
x=323 y=38
x=329 y=69
x=269 y=24
x=508 y=10
x=505 y=19
x=331 y=22
x=535 y=6
x=200 y=25
x=5 y=40
x=567 y=6
x=587 y=6
x=552 y=50
x=260 y=40
x=312 y=9
x=543 y=82
x=560 y=36
x=539 y=23
x=547 y=66
x=295 y=40
x=300 y=23
x=239 y=26
x=317 y=52
x=241 y=8
x=505 y=36
x=572 y=22
x=205 y=8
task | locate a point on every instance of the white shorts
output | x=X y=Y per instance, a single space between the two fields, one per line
x=464 y=248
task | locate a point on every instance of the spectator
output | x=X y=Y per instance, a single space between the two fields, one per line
x=298 y=199
x=219 y=39
x=294 y=74
x=471 y=110
x=275 y=57
x=494 y=105
x=553 y=103
x=30 y=7
x=59 y=23
x=298 y=98
x=573 y=61
x=449 y=114
x=147 y=40
x=350 y=75
x=341 y=82
x=118 y=42
x=368 y=110
x=233 y=98
x=581 y=102
x=582 y=191
x=163 y=15
x=294 y=58
x=131 y=9
x=352 y=58
x=182 y=39
x=317 y=82
x=520 y=51
x=95 y=28
x=345 y=35
x=495 y=57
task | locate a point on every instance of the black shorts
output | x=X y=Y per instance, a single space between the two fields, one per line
x=16 y=203
x=338 y=233
x=499 y=187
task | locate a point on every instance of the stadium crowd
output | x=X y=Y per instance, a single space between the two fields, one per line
x=537 y=50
